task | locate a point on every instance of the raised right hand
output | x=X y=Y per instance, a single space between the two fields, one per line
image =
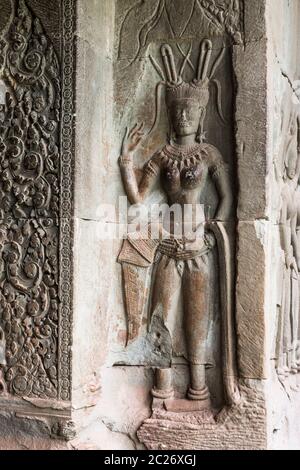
x=132 y=139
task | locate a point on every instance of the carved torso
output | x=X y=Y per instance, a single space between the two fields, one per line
x=184 y=170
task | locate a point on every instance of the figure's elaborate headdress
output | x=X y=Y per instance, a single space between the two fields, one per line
x=196 y=90
x=177 y=89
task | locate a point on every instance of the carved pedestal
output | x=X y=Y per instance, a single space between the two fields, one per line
x=223 y=429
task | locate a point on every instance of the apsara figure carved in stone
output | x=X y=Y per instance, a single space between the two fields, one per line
x=183 y=165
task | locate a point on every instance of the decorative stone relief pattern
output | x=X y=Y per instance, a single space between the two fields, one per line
x=223 y=17
x=226 y=16
x=35 y=194
x=29 y=125
x=66 y=205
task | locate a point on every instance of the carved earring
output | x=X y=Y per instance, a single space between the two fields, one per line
x=171 y=131
x=200 y=136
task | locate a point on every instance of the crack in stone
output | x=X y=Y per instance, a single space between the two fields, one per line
x=110 y=427
x=285 y=390
x=285 y=75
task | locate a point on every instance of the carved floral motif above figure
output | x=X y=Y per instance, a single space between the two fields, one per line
x=29 y=204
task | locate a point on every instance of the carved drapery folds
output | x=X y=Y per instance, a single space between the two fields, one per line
x=30 y=209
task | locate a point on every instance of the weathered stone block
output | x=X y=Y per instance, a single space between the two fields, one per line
x=250 y=298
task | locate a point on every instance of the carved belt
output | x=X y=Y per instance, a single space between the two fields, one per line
x=176 y=249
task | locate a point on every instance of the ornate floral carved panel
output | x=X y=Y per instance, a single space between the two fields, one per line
x=36 y=158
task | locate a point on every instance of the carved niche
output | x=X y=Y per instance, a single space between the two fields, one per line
x=36 y=142
x=171 y=72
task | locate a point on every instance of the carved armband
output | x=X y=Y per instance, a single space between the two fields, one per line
x=218 y=169
x=125 y=160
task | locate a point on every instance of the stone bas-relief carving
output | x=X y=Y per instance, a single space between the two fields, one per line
x=32 y=245
x=181 y=18
x=29 y=207
x=183 y=167
x=288 y=337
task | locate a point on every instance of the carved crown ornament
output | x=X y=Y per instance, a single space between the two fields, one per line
x=196 y=90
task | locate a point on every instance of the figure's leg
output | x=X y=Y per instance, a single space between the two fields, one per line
x=196 y=320
x=166 y=285
x=284 y=338
x=298 y=316
x=279 y=349
x=288 y=329
x=295 y=315
x=297 y=353
x=163 y=388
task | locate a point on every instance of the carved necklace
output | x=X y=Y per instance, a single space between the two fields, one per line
x=182 y=156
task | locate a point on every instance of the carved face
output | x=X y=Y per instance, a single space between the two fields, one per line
x=185 y=116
